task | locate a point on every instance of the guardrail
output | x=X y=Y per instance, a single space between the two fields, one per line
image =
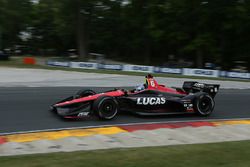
x=152 y=69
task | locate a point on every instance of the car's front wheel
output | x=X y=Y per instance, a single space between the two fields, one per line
x=105 y=107
x=204 y=104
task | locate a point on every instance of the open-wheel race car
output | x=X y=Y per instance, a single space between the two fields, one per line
x=149 y=98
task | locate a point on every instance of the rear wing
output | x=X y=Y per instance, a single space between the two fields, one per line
x=193 y=87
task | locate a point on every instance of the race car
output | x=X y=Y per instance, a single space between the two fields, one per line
x=149 y=98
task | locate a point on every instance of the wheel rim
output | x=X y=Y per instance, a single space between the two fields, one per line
x=108 y=109
x=205 y=105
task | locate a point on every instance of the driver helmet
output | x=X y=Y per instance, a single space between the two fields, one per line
x=140 y=87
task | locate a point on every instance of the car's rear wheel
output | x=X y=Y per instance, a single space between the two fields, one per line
x=84 y=93
x=204 y=104
x=105 y=107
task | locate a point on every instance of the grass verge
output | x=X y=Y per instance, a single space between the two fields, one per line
x=18 y=64
x=227 y=154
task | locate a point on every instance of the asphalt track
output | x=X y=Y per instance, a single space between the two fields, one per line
x=26 y=109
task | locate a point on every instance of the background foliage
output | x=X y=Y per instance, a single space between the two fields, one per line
x=138 y=31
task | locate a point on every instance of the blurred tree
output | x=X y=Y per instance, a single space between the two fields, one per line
x=75 y=16
x=138 y=31
x=44 y=27
x=14 y=17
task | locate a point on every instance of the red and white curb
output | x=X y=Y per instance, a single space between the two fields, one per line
x=124 y=136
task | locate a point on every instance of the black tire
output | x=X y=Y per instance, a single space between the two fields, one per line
x=204 y=104
x=105 y=107
x=84 y=93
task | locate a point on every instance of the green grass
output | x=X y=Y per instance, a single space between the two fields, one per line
x=227 y=154
x=18 y=63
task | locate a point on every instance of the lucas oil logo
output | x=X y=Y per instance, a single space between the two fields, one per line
x=150 y=100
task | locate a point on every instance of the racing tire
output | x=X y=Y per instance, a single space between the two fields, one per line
x=105 y=107
x=204 y=104
x=84 y=93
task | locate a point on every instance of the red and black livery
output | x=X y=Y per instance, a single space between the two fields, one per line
x=153 y=99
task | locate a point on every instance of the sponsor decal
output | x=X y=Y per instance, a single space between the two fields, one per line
x=167 y=70
x=188 y=106
x=140 y=68
x=58 y=63
x=110 y=66
x=203 y=72
x=200 y=72
x=223 y=73
x=238 y=75
x=82 y=114
x=86 y=65
x=199 y=85
x=150 y=100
